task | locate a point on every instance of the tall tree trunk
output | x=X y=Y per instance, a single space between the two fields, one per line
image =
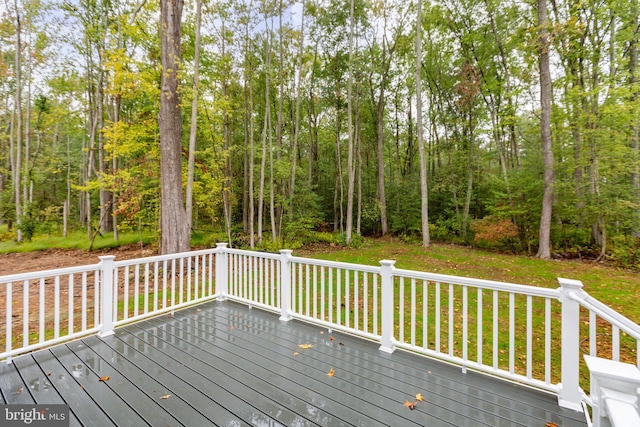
x=635 y=124
x=174 y=224
x=17 y=129
x=351 y=171
x=382 y=196
x=26 y=178
x=544 y=248
x=424 y=188
x=106 y=223
x=276 y=212
x=296 y=128
x=67 y=202
x=248 y=87
x=194 y=118
x=266 y=128
x=470 y=161
x=272 y=189
x=338 y=200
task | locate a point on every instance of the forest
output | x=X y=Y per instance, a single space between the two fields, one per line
x=505 y=124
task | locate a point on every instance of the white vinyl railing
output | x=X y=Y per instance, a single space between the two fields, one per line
x=495 y=327
x=531 y=335
x=48 y=307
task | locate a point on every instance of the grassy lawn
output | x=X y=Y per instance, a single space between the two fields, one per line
x=75 y=240
x=619 y=289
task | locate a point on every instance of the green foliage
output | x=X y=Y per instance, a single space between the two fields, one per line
x=625 y=252
x=28 y=223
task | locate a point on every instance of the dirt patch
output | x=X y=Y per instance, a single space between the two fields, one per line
x=49 y=259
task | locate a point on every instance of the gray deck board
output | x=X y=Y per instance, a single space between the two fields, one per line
x=12 y=386
x=222 y=363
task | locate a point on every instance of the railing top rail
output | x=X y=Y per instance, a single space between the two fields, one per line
x=48 y=273
x=167 y=257
x=336 y=264
x=269 y=255
x=480 y=283
x=607 y=313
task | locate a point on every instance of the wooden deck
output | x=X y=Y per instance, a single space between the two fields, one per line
x=222 y=363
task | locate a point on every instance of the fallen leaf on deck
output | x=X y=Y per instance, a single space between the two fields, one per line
x=305 y=346
x=170 y=316
x=295 y=353
x=232 y=327
x=321 y=332
x=419 y=397
x=19 y=390
x=410 y=405
x=166 y=396
x=551 y=424
x=331 y=373
x=331 y=338
x=340 y=343
x=105 y=378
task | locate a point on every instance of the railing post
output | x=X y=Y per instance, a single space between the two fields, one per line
x=388 y=309
x=285 y=284
x=570 y=395
x=106 y=295
x=222 y=271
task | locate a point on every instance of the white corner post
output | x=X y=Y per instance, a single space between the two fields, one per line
x=570 y=394
x=106 y=295
x=222 y=271
x=388 y=310
x=285 y=284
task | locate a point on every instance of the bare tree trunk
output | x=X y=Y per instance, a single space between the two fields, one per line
x=382 y=196
x=276 y=213
x=272 y=190
x=424 y=188
x=248 y=86
x=105 y=223
x=67 y=202
x=635 y=124
x=351 y=171
x=544 y=249
x=467 y=202
x=339 y=196
x=174 y=223
x=265 y=129
x=194 y=119
x=296 y=130
x=26 y=179
x=359 y=155
x=114 y=170
x=17 y=129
